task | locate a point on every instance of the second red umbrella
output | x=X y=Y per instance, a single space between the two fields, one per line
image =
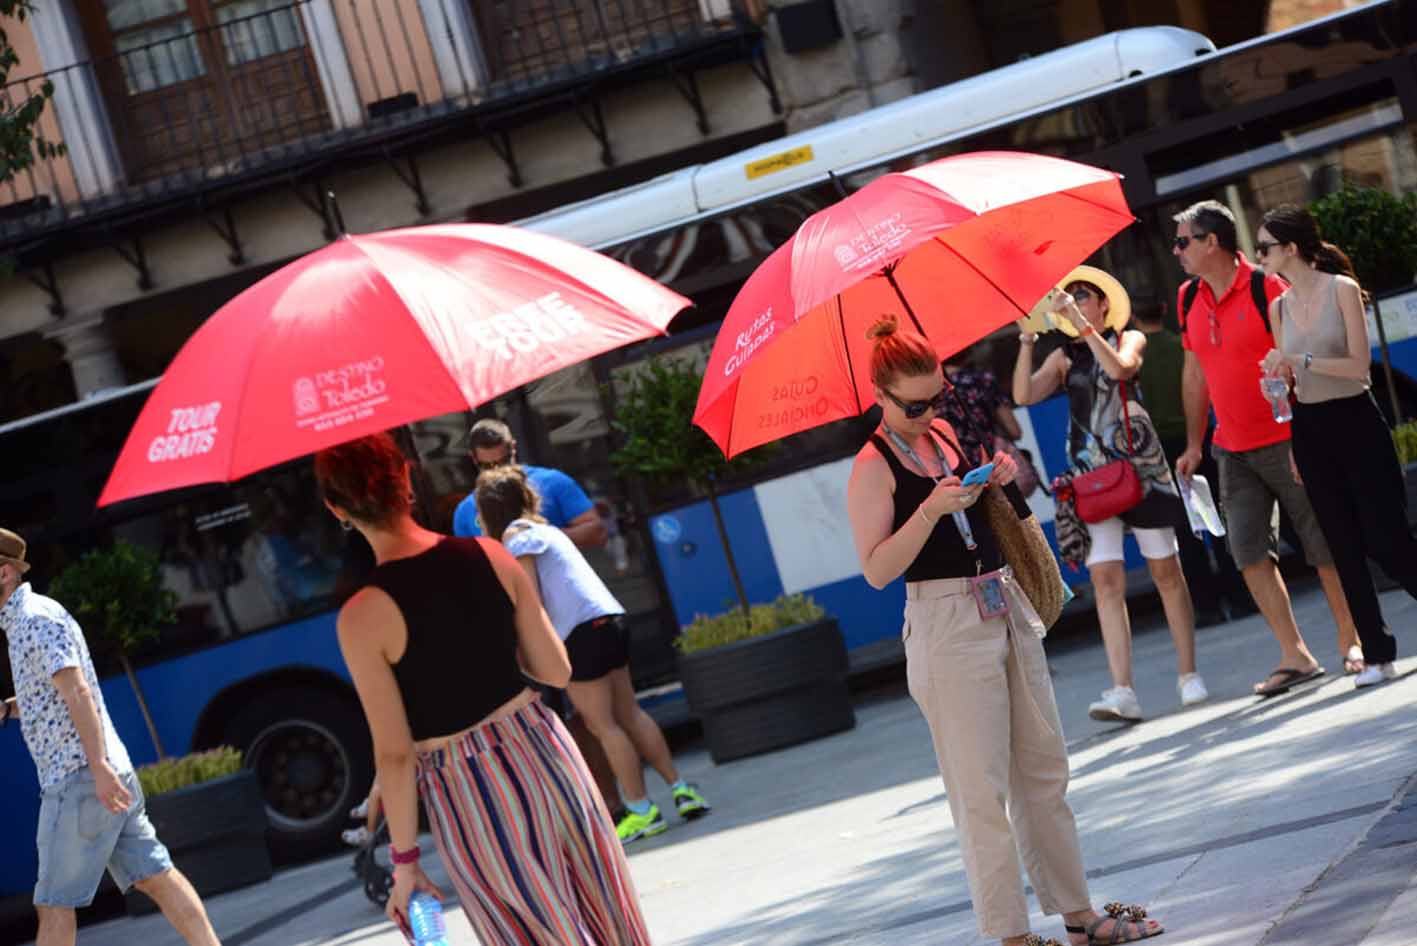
x=958 y=247
x=374 y=331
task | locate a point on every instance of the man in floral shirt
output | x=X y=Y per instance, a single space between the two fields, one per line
x=91 y=812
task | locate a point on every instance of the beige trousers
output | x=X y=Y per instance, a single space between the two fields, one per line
x=985 y=692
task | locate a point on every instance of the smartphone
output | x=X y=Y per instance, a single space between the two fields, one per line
x=980 y=474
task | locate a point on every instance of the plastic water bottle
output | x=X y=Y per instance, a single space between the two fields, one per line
x=425 y=918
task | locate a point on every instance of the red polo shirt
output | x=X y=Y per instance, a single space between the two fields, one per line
x=1232 y=368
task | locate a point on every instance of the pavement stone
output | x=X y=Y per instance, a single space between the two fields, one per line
x=1238 y=822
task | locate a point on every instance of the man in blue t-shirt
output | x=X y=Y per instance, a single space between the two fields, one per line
x=563 y=502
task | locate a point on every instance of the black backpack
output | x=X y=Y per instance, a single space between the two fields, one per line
x=1257 y=293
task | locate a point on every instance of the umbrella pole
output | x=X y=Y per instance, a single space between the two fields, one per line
x=889 y=273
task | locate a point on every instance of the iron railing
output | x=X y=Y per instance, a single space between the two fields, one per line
x=300 y=80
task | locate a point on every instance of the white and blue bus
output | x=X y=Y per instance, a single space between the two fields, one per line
x=259 y=570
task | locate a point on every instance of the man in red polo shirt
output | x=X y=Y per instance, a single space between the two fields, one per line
x=1226 y=335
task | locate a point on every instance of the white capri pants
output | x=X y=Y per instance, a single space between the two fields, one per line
x=1107 y=541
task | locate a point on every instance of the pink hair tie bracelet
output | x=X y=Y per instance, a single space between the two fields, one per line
x=404 y=857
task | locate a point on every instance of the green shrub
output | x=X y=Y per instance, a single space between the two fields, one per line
x=787 y=611
x=1376 y=229
x=117 y=596
x=1405 y=439
x=172 y=774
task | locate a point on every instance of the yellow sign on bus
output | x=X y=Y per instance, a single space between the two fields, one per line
x=778 y=162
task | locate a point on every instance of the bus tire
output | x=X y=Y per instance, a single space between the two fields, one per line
x=312 y=755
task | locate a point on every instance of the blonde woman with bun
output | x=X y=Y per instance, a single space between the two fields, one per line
x=974 y=654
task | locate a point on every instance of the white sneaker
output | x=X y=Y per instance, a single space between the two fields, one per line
x=1192 y=689
x=359 y=811
x=355 y=837
x=1373 y=674
x=1118 y=703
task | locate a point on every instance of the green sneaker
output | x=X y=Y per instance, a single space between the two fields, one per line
x=632 y=827
x=690 y=803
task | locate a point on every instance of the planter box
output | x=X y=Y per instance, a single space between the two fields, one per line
x=769 y=692
x=216 y=834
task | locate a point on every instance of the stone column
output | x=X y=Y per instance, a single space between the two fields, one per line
x=88 y=348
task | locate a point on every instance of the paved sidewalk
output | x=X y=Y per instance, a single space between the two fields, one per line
x=1238 y=822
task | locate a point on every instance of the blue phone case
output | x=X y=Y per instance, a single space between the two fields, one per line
x=980 y=474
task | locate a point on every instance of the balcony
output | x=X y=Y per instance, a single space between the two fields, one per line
x=182 y=116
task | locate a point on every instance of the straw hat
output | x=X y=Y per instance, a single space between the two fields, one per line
x=12 y=550
x=1119 y=304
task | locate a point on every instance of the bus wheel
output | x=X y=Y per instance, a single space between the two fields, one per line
x=312 y=755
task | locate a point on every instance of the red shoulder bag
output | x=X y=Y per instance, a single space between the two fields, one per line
x=1112 y=489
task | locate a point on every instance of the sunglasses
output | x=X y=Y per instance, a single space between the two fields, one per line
x=1181 y=243
x=1263 y=247
x=915 y=409
x=1081 y=294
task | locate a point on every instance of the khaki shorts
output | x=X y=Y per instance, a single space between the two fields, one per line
x=1250 y=483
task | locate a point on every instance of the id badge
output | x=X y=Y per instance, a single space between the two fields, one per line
x=989 y=596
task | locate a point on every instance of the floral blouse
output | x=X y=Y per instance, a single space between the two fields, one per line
x=43 y=639
x=971 y=411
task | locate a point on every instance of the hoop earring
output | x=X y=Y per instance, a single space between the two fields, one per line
x=346 y=525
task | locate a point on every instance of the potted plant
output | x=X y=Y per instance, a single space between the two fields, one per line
x=772 y=677
x=207 y=809
x=210 y=814
x=759 y=677
x=1378 y=231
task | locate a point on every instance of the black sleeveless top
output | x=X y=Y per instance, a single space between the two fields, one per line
x=944 y=554
x=460 y=662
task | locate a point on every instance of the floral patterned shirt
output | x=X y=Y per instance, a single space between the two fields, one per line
x=43 y=639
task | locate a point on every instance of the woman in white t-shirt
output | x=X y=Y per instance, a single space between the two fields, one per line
x=591 y=622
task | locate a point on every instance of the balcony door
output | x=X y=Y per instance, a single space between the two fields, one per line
x=204 y=86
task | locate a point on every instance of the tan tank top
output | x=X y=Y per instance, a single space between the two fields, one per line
x=1325 y=338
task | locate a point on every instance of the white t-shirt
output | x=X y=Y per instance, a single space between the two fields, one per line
x=571 y=590
x=43 y=639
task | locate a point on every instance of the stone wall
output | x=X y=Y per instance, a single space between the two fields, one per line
x=867 y=67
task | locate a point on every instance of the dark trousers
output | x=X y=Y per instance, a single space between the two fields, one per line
x=1345 y=454
x=1208 y=585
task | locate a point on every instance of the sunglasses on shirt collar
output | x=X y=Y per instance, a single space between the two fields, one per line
x=913 y=410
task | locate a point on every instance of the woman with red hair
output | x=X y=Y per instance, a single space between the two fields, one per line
x=974 y=654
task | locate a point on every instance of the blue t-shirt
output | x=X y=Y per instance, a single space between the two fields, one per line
x=562 y=500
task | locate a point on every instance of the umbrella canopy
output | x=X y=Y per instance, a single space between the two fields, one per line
x=958 y=247
x=374 y=331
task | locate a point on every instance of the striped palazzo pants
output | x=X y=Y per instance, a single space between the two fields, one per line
x=526 y=838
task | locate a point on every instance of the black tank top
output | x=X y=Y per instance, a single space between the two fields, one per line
x=944 y=554
x=460 y=662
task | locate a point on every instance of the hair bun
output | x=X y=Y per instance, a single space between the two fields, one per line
x=884 y=327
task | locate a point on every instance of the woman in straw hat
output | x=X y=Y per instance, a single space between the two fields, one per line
x=1107 y=422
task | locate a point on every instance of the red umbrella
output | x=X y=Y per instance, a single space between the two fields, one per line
x=374 y=331
x=962 y=246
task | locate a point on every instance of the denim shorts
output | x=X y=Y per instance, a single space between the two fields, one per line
x=79 y=837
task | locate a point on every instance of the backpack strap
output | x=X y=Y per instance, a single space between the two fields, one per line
x=1188 y=299
x=1261 y=298
x=1257 y=294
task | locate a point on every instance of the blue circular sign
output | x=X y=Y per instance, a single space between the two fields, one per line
x=667 y=529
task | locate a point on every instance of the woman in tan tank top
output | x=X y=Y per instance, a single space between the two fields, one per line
x=1343 y=451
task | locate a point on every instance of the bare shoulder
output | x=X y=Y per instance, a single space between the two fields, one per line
x=870 y=469
x=366 y=616
x=509 y=571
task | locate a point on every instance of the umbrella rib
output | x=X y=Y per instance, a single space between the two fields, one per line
x=981 y=275
x=1093 y=203
x=846 y=344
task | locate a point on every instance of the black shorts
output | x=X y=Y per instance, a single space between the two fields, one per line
x=597 y=647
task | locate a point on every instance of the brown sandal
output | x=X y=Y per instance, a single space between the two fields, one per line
x=1129 y=920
